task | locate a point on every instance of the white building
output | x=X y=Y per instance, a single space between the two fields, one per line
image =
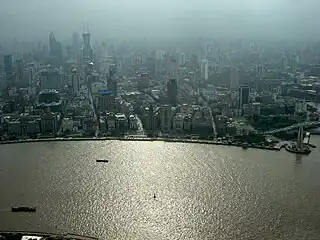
x=121 y=121
x=133 y=122
x=75 y=81
x=204 y=69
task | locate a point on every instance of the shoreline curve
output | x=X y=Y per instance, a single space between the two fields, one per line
x=142 y=139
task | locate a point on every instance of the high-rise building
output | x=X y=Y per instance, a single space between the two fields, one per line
x=75 y=79
x=55 y=50
x=144 y=81
x=19 y=70
x=194 y=61
x=151 y=124
x=294 y=64
x=244 y=96
x=7 y=59
x=151 y=66
x=234 y=79
x=86 y=48
x=104 y=50
x=75 y=44
x=172 y=91
x=256 y=108
x=182 y=59
x=112 y=84
x=52 y=44
x=260 y=71
x=165 y=118
x=284 y=63
x=106 y=100
x=204 y=69
x=173 y=66
x=49 y=78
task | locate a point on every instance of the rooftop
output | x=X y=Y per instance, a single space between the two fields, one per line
x=46 y=91
x=106 y=92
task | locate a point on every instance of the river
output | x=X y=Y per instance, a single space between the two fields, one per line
x=202 y=191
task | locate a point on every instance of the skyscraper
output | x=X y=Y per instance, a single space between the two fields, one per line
x=55 y=50
x=8 y=65
x=104 y=50
x=75 y=44
x=165 y=118
x=86 y=48
x=172 y=91
x=19 y=71
x=284 y=63
x=234 y=79
x=112 y=81
x=244 y=97
x=294 y=64
x=49 y=78
x=182 y=59
x=75 y=77
x=52 y=43
x=204 y=69
x=151 y=66
x=143 y=81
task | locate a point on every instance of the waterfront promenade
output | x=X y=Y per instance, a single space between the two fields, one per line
x=275 y=147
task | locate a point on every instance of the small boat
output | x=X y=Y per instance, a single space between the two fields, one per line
x=23 y=209
x=102 y=160
x=41 y=235
x=154 y=196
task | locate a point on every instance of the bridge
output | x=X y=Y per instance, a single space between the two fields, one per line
x=304 y=124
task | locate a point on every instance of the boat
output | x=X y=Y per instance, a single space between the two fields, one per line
x=102 y=160
x=14 y=235
x=23 y=209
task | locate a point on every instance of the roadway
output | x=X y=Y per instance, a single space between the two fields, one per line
x=95 y=110
x=305 y=124
x=62 y=117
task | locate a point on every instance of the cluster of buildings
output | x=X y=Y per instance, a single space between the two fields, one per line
x=106 y=89
x=178 y=120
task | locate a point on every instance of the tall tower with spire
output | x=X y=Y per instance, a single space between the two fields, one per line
x=86 y=48
x=55 y=50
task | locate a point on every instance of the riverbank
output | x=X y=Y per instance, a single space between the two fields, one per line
x=176 y=140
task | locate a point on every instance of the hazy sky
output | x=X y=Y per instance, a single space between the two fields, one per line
x=290 y=19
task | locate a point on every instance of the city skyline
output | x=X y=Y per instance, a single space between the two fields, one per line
x=274 y=20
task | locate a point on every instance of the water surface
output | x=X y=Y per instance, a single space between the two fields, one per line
x=202 y=191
